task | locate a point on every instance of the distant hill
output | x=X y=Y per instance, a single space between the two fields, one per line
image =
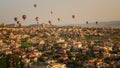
x=115 y=24
x=10 y=25
x=43 y=24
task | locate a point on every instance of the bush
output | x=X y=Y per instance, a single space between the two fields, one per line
x=26 y=44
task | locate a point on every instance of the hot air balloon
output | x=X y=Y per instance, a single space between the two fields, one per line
x=96 y=22
x=37 y=19
x=51 y=12
x=24 y=17
x=73 y=16
x=18 y=22
x=59 y=19
x=16 y=19
x=49 y=22
x=35 y=5
x=86 y=22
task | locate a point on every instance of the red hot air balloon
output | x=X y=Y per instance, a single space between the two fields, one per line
x=16 y=19
x=24 y=17
x=73 y=16
x=49 y=22
x=35 y=5
x=37 y=19
x=18 y=22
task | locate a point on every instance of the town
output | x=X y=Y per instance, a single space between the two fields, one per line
x=48 y=46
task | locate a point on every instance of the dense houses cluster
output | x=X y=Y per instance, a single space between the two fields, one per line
x=60 y=47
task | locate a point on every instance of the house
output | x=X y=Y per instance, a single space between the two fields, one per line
x=42 y=42
x=96 y=48
x=63 y=45
x=106 y=55
x=8 y=52
x=89 y=63
x=57 y=65
x=64 y=57
x=77 y=45
x=60 y=40
x=1 y=41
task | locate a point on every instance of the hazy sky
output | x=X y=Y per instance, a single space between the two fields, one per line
x=85 y=10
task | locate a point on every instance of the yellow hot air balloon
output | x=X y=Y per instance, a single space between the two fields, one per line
x=59 y=19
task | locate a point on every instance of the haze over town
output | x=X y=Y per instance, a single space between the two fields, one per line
x=84 y=10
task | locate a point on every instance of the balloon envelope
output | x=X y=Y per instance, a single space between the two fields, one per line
x=86 y=22
x=24 y=17
x=18 y=22
x=16 y=19
x=37 y=18
x=59 y=19
x=51 y=12
x=96 y=22
x=35 y=5
x=73 y=16
x=49 y=22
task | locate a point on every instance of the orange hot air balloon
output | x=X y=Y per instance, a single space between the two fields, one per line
x=37 y=19
x=73 y=16
x=35 y=5
x=16 y=19
x=49 y=22
x=24 y=17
